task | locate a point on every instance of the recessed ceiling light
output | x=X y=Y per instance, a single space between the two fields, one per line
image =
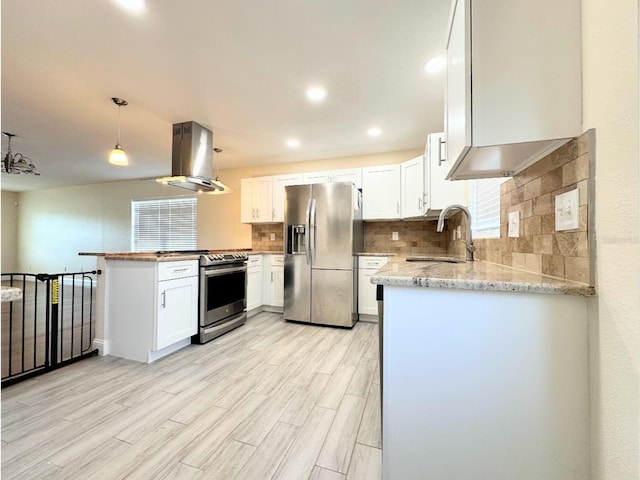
x=374 y=132
x=316 y=94
x=435 y=65
x=133 y=6
x=293 y=143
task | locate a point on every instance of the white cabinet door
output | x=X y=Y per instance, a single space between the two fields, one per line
x=353 y=175
x=367 y=303
x=274 y=280
x=317 y=177
x=254 y=287
x=255 y=200
x=277 y=286
x=381 y=192
x=262 y=193
x=412 y=187
x=458 y=85
x=279 y=182
x=247 y=211
x=177 y=316
x=440 y=192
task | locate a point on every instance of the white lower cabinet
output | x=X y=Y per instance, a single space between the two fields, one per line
x=152 y=307
x=368 y=266
x=177 y=310
x=254 y=282
x=274 y=281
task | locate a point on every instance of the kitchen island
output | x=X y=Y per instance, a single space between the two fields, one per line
x=485 y=373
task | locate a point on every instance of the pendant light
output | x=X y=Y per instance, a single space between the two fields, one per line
x=222 y=187
x=117 y=155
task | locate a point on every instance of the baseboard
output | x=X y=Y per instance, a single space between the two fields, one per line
x=363 y=317
x=254 y=311
x=272 y=309
x=102 y=346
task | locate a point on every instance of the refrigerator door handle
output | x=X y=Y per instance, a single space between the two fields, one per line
x=312 y=220
x=307 y=230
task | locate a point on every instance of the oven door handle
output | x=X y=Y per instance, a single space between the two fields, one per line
x=221 y=271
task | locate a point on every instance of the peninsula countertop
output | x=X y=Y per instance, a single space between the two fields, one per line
x=477 y=275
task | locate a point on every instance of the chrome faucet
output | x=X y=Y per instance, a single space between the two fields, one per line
x=469 y=242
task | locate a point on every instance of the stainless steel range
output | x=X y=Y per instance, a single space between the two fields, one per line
x=223 y=294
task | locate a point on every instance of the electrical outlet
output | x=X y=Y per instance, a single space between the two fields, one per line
x=514 y=224
x=272 y=237
x=567 y=210
x=394 y=235
x=459 y=232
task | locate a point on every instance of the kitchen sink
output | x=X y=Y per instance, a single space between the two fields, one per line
x=434 y=259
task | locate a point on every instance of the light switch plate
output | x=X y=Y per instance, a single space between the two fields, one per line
x=514 y=224
x=567 y=210
x=394 y=235
x=272 y=237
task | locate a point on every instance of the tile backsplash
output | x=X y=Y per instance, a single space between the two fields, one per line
x=261 y=237
x=540 y=248
x=414 y=238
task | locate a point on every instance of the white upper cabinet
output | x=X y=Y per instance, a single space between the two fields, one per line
x=353 y=175
x=513 y=87
x=279 y=182
x=256 y=200
x=413 y=192
x=317 y=177
x=439 y=192
x=381 y=192
x=425 y=190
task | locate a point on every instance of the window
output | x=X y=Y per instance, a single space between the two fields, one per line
x=485 y=207
x=163 y=224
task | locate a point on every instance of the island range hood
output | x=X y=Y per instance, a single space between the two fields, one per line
x=192 y=159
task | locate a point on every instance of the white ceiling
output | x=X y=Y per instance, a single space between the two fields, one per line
x=240 y=68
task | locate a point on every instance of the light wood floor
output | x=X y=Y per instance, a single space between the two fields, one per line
x=270 y=400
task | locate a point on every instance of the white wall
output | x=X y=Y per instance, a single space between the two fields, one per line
x=9 y=230
x=55 y=224
x=610 y=98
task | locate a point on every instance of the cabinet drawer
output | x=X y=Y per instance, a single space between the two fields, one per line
x=171 y=270
x=254 y=261
x=372 y=262
x=277 y=260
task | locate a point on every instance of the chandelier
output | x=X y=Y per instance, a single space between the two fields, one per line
x=17 y=163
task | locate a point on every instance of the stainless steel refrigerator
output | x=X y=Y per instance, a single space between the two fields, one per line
x=323 y=233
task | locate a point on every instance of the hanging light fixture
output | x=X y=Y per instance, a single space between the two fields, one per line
x=17 y=163
x=117 y=155
x=223 y=188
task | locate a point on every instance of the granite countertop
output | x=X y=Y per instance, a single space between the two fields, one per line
x=375 y=254
x=9 y=294
x=476 y=275
x=154 y=257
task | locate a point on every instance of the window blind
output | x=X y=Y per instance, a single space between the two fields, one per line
x=485 y=207
x=163 y=224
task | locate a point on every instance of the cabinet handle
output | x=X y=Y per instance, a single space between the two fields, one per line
x=164 y=299
x=272 y=276
x=441 y=158
x=419 y=204
x=398 y=207
x=257 y=213
x=176 y=270
x=273 y=214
